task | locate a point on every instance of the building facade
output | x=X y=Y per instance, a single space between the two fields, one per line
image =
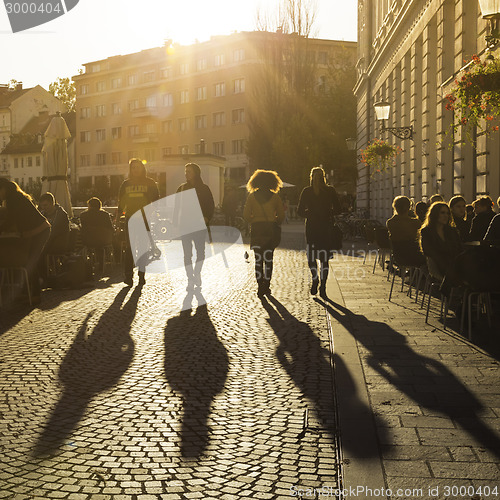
x=409 y=52
x=173 y=101
x=17 y=107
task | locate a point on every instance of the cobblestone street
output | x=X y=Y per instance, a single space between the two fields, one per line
x=114 y=392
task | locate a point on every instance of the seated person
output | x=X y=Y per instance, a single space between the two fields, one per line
x=96 y=229
x=493 y=233
x=483 y=208
x=59 y=236
x=403 y=232
x=457 y=206
x=440 y=242
x=435 y=198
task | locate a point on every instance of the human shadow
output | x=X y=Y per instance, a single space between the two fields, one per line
x=94 y=363
x=430 y=384
x=196 y=366
x=307 y=363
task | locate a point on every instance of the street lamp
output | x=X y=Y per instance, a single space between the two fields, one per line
x=352 y=145
x=382 y=110
x=490 y=10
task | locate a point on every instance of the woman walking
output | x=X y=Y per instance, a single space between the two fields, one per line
x=264 y=212
x=318 y=203
x=20 y=213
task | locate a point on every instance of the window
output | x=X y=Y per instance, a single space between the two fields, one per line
x=220 y=89
x=183 y=124
x=84 y=89
x=239 y=55
x=100 y=86
x=200 y=122
x=100 y=110
x=184 y=96
x=238 y=116
x=201 y=64
x=37 y=161
x=201 y=93
x=183 y=150
x=168 y=126
x=239 y=86
x=149 y=76
x=132 y=154
x=84 y=160
x=219 y=60
x=85 y=136
x=133 y=130
x=116 y=133
x=95 y=68
x=85 y=113
x=184 y=69
x=116 y=158
x=168 y=100
x=116 y=83
x=100 y=134
x=132 y=79
x=151 y=101
x=116 y=108
x=218 y=148
x=238 y=146
x=101 y=159
x=151 y=128
x=30 y=161
x=166 y=72
x=166 y=152
x=150 y=154
x=134 y=104
x=322 y=57
x=219 y=119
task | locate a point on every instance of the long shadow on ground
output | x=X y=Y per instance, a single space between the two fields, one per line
x=94 y=363
x=426 y=381
x=196 y=366
x=307 y=363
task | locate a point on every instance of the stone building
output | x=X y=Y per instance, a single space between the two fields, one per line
x=409 y=53
x=167 y=103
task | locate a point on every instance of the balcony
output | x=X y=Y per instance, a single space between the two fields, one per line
x=145 y=138
x=144 y=112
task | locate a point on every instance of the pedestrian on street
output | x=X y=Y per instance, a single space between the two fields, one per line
x=264 y=212
x=192 y=172
x=319 y=203
x=137 y=191
x=19 y=211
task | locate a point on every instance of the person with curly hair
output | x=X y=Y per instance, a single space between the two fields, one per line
x=264 y=212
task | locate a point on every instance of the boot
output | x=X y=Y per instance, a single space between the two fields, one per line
x=142 y=278
x=314 y=286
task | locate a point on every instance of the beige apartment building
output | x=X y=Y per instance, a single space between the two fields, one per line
x=409 y=52
x=167 y=103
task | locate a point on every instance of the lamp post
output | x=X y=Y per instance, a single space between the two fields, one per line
x=382 y=110
x=352 y=145
x=490 y=10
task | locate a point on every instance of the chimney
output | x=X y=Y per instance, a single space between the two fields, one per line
x=19 y=86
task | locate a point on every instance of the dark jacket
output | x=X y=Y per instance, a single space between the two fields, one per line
x=442 y=252
x=59 y=234
x=22 y=213
x=97 y=228
x=318 y=211
x=463 y=227
x=205 y=198
x=493 y=233
x=480 y=225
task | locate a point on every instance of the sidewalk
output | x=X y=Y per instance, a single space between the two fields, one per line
x=426 y=399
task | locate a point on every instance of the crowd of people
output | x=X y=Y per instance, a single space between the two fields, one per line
x=459 y=245
x=435 y=234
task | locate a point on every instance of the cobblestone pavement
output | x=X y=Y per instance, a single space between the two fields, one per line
x=112 y=392
x=434 y=396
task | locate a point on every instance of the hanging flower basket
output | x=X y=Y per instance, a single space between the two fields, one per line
x=379 y=155
x=475 y=97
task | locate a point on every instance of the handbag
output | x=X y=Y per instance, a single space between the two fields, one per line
x=265 y=234
x=336 y=236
